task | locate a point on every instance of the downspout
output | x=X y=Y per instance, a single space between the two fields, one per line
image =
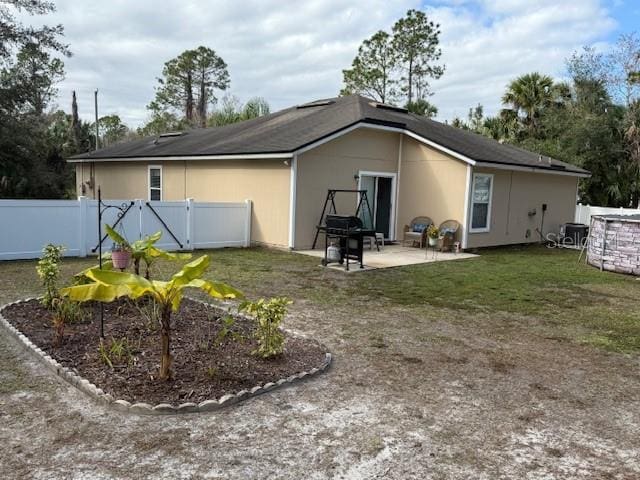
x=292 y=201
x=509 y=204
x=185 y=179
x=397 y=202
x=467 y=199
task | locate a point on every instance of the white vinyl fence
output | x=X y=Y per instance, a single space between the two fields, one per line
x=585 y=212
x=27 y=225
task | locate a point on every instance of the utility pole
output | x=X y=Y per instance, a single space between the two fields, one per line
x=95 y=95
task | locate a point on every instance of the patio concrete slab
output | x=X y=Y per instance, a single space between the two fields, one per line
x=393 y=256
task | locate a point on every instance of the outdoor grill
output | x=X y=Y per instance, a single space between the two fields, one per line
x=349 y=231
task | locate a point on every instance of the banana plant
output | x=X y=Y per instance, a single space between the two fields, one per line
x=107 y=285
x=143 y=250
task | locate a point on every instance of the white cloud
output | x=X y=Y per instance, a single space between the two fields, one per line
x=295 y=52
x=509 y=37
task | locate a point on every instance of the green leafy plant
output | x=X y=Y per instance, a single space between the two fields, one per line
x=227 y=330
x=269 y=316
x=116 y=352
x=48 y=269
x=64 y=312
x=143 y=250
x=433 y=231
x=108 y=285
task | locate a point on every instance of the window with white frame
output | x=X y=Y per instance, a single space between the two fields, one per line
x=481 y=202
x=155 y=183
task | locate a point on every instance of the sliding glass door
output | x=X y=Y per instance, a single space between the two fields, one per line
x=380 y=188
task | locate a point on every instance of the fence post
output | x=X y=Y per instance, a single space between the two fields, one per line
x=247 y=224
x=190 y=222
x=82 y=226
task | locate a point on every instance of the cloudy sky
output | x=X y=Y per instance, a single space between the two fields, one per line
x=293 y=51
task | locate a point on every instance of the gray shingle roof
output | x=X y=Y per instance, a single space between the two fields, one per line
x=293 y=128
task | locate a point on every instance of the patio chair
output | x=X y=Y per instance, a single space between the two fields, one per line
x=448 y=232
x=416 y=231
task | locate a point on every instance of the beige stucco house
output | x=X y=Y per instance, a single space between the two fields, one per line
x=286 y=161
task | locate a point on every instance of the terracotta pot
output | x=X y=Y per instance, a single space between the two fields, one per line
x=121 y=258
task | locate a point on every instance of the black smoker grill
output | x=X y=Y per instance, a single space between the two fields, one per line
x=349 y=231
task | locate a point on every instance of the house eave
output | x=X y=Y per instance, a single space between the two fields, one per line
x=522 y=168
x=157 y=158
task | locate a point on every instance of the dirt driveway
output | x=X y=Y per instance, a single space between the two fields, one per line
x=413 y=393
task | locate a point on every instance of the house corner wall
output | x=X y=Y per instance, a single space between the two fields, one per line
x=432 y=184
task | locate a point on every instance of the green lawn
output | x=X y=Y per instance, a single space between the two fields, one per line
x=543 y=289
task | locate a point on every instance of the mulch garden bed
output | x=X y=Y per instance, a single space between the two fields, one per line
x=211 y=357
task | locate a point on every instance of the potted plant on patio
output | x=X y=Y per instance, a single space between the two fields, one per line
x=433 y=233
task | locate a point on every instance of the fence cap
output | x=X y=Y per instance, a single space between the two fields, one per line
x=627 y=218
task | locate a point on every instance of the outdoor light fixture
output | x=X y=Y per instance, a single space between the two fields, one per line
x=356 y=177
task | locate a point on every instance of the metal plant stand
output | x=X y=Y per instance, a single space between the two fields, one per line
x=122 y=211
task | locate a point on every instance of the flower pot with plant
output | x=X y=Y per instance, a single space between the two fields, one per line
x=432 y=234
x=120 y=256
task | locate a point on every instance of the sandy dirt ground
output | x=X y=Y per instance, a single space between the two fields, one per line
x=412 y=394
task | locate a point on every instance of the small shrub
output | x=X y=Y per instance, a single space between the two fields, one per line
x=64 y=312
x=149 y=310
x=48 y=269
x=227 y=330
x=269 y=316
x=116 y=352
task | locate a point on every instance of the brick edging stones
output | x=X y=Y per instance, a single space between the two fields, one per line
x=145 y=408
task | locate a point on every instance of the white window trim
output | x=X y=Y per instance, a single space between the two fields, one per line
x=489 y=206
x=149 y=168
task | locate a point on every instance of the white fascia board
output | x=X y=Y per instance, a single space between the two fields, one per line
x=517 y=168
x=249 y=156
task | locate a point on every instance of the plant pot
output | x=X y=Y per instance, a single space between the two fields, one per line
x=433 y=241
x=121 y=258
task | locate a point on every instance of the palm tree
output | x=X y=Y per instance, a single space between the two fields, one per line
x=528 y=95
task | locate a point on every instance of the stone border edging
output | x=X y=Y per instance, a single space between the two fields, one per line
x=145 y=408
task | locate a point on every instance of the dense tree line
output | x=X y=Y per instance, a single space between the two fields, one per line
x=396 y=67
x=592 y=120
